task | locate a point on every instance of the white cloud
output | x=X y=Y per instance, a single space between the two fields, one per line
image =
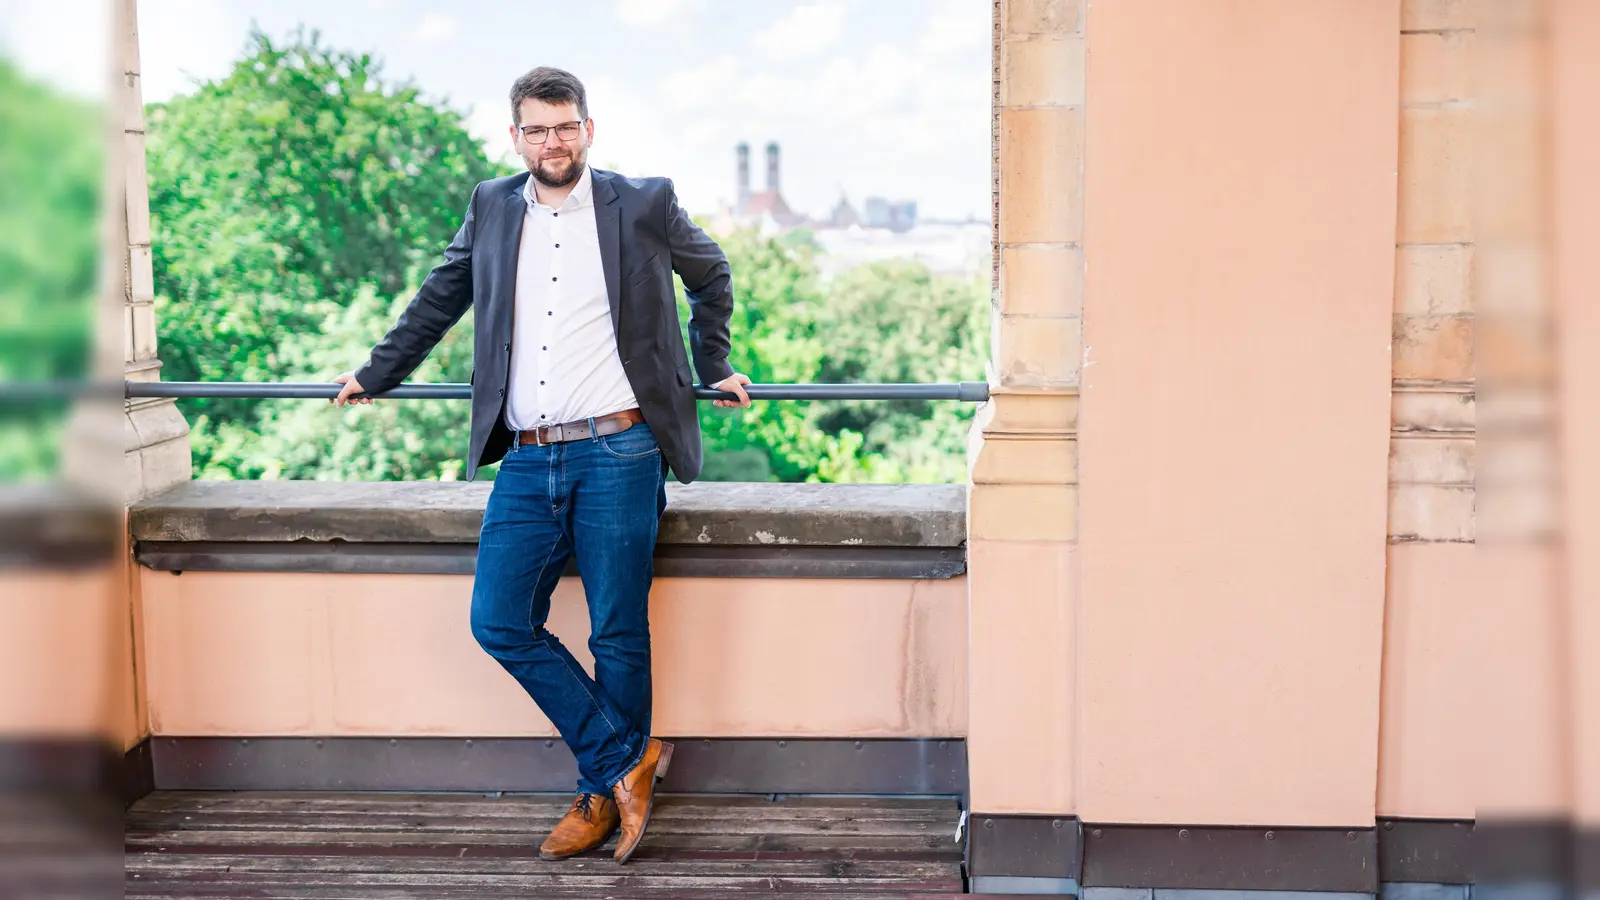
x=489 y=122
x=705 y=86
x=184 y=41
x=64 y=44
x=435 y=27
x=957 y=25
x=651 y=13
x=805 y=31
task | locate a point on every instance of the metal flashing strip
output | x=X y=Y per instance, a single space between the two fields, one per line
x=1047 y=847
x=1431 y=851
x=428 y=558
x=895 y=767
x=1231 y=858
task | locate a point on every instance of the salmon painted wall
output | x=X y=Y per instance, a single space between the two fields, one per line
x=1239 y=237
x=1576 y=141
x=304 y=654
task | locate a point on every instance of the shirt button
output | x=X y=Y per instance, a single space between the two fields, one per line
x=541 y=382
x=550 y=312
x=541 y=415
x=552 y=278
x=558 y=246
x=544 y=348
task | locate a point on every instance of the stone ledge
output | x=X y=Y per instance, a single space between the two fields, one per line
x=705 y=513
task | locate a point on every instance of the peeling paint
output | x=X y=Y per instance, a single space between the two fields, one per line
x=853 y=541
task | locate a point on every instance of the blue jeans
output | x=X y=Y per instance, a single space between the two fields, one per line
x=599 y=500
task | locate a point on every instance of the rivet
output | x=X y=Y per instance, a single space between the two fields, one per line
x=943 y=744
x=1271 y=836
x=1097 y=832
x=549 y=743
x=1055 y=823
x=319 y=742
x=393 y=742
x=245 y=742
x=858 y=745
x=783 y=743
x=988 y=823
x=1183 y=832
x=1351 y=835
x=469 y=742
x=1388 y=826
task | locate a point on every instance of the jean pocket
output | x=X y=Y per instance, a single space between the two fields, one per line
x=636 y=443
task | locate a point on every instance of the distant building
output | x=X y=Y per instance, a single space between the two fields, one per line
x=897 y=215
x=767 y=209
x=882 y=229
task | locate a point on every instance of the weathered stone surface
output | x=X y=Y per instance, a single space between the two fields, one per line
x=704 y=513
x=48 y=525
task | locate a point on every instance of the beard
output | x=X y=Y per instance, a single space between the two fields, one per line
x=558 y=171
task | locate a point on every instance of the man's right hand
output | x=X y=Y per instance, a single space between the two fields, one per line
x=351 y=387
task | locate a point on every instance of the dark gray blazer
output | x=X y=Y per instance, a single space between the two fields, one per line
x=645 y=236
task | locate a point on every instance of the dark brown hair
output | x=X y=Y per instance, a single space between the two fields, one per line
x=551 y=86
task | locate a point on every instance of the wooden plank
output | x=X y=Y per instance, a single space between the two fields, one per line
x=865 y=846
x=495 y=884
x=654 y=863
x=378 y=798
x=662 y=819
x=380 y=892
x=444 y=847
x=474 y=805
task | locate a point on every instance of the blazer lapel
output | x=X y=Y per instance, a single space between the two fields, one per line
x=516 y=209
x=608 y=224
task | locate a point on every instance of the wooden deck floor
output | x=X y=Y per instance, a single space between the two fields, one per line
x=447 y=846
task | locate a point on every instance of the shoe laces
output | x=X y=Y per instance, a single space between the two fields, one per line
x=584 y=804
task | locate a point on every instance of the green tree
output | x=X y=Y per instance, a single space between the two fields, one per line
x=891 y=322
x=298 y=201
x=51 y=154
x=279 y=195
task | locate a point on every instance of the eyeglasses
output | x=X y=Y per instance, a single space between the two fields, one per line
x=538 y=134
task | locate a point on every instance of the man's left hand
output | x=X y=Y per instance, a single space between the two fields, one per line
x=734 y=384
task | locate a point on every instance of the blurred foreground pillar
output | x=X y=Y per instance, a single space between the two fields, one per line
x=157 y=437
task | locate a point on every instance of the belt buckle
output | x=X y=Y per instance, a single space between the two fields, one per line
x=541 y=435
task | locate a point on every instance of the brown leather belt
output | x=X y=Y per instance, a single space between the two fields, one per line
x=581 y=430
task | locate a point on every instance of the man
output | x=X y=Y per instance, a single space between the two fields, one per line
x=582 y=388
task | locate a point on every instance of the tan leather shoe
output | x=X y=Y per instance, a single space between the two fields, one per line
x=636 y=794
x=586 y=826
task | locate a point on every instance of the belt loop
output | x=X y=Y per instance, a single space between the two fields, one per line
x=594 y=433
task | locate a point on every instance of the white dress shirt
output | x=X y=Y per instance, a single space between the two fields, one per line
x=564 y=362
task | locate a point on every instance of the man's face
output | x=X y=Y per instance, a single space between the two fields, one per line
x=558 y=161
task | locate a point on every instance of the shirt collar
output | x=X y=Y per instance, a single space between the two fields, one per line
x=582 y=194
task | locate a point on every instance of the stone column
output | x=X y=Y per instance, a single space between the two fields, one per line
x=156 y=453
x=1023 y=503
x=1434 y=574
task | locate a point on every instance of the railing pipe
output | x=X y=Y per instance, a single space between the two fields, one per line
x=965 y=391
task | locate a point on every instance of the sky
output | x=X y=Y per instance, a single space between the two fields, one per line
x=865 y=97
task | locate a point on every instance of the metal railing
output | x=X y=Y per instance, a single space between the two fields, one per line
x=965 y=391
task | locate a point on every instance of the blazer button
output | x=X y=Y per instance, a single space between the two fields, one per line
x=508 y=346
x=502 y=392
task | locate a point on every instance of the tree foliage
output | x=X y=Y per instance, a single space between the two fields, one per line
x=298 y=202
x=51 y=154
x=280 y=195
